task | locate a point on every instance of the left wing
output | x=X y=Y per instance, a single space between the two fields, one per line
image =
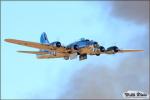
x=37 y=45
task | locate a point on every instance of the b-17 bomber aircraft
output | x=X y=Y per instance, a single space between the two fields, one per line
x=80 y=48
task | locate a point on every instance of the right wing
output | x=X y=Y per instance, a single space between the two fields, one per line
x=123 y=51
x=37 y=45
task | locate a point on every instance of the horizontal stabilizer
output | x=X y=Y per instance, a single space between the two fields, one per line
x=32 y=52
x=50 y=56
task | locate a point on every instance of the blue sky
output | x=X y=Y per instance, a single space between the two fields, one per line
x=24 y=76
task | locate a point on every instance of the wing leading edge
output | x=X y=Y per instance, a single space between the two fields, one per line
x=37 y=45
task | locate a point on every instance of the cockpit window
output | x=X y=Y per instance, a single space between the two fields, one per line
x=87 y=40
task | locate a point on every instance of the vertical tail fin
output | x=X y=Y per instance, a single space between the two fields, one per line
x=44 y=39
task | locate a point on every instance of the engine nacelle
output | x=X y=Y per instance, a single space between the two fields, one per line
x=102 y=49
x=112 y=50
x=57 y=44
x=76 y=47
x=95 y=44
